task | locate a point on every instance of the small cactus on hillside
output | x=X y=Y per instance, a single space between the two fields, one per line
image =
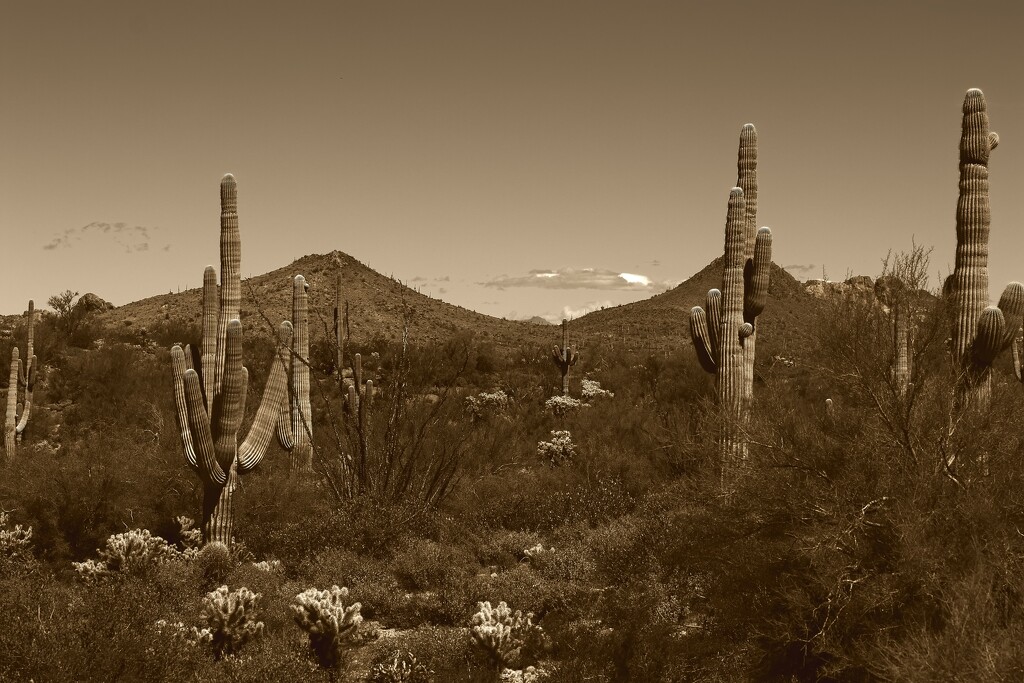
x=565 y=357
x=295 y=422
x=24 y=377
x=210 y=420
x=230 y=618
x=330 y=623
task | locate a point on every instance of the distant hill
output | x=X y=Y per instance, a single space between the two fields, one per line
x=377 y=304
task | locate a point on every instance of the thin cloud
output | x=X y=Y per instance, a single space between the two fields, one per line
x=573 y=312
x=580 y=278
x=798 y=269
x=131 y=238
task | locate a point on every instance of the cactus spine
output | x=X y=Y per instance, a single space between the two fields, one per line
x=295 y=423
x=210 y=423
x=24 y=377
x=564 y=357
x=979 y=331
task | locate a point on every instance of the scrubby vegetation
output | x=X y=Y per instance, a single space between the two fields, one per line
x=473 y=523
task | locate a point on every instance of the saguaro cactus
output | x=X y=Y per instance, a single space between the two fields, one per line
x=565 y=357
x=340 y=318
x=210 y=422
x=895 y=295
x=24 y=377
x=295 y=423
x=979 y=331
x=720 y=334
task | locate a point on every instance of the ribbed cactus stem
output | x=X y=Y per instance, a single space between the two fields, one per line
x=730 y=378
x=298 y=410
x=11 y=423
x=969 y=281
x=564 y=357
x=22 y=376
x=211 y=422
x=901 y=329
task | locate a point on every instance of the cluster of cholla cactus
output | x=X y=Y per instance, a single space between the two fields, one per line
x=504 y=634
x=14 y=543
x=560 y=450
x=210 y=408
x=979 y=331
x=230 y=618
x=330 y=622
x=295 y=423
x=724 y=334
x=565 y=357
x=135 y=551
x=400 y=667
x=24 y=377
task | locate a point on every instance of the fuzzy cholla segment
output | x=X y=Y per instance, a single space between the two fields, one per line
x=560 y=450
x=486 y=404
x=135 y=551
x=328 y=621
x=229 y=616
x=560 y=406
x=503 y=633
x=14 y=542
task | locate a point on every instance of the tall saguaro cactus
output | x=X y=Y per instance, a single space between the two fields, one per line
x=564 y=357
x=210 y=421
x=23 y=377
x=295 y=423
x=721 y=333
x=724 y=333
x=979 y=331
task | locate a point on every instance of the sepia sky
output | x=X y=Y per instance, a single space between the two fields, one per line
x=528 y=157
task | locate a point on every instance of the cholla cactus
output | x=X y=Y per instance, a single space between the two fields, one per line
x=560 y=450
x=268 y=566
x=191 y=537
x=565 y=357
x=591 y=389
x=14 y=543
x=229 y=616
x=331 y=624
x=980 y=331
x=211 y=419
x=530 y=674
x=91 y=570
x=295 y=423
x=560 y=406
x=135 y=551
x=400 y=667
x=536 y=551
x=504 y=634
x=190 y=635
x=485 y=404
x=24 y=377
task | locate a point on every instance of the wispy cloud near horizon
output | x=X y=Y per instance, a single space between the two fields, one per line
x=581 y=278
x=132 y=238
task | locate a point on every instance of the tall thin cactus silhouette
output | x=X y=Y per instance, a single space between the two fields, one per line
x=564 y=357
x=295 y=423
x=979 y=331
x=210 y=422
x=22 y=377
x=724 y=332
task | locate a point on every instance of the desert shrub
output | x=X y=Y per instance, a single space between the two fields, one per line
x=398 y=666
x=422 y=564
